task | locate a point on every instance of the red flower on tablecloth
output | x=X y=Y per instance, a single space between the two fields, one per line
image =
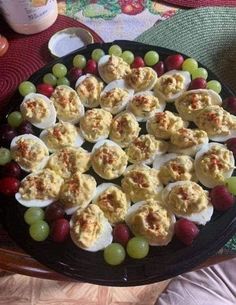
x=130 y=7
x=169 y=14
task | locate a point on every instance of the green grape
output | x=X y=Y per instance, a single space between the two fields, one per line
x=115 y=50
x=97 y=54
x=114 y=254
x=151 y=58
x=26 y=88
x=33 y=214
x=5 y=156
x=39 y=230
x=200 y=72
x=137 y=247
x=63 y=81
x=190 y=65
x=79 y=61
x=231 y=185
x=128 y=57
x=214 y=85
x=50 y=79
x=14 y=119
x=59 y=70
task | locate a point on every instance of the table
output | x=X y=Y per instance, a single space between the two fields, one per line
x=13 y=259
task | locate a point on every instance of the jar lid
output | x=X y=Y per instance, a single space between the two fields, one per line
x=69 y=40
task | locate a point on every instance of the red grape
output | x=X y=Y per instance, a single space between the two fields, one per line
x=25 y=127
x=74 y=74
x=54 y=211
x=9 y=186
x=221 y=198
x=7 y=133
x=121 y=234
x=138 y=62
x=174 y=62
x=91 y=67
x=186 y=231
x=231 y=145
x=229 y=104
x=198 y=83
x=11 y=169
x=159 y=68
x=45 y=89
x=60 y=230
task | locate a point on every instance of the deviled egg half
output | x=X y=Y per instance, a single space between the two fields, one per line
x=29 y=152
x=108 y=159
x=142 y=79
x=61 y=135
x=141 y=182
x=112 y=201
x=173 y=167
x=77 y=192
x=39 y=189
x=95 y=124
x=38 y=110
x=144 y=104
x=67 y=103
x=219 y=124
x=187 y=141
x=67 y=161
x=172 y=84
x=115 y=96
x=89 y=88
x=151 y=220
x=192 y=101
x=213 y=164
x=90 y=229
x=163 y=124
x=187 y=199
x=144 y=149
x=111 y=67
x=124 y=129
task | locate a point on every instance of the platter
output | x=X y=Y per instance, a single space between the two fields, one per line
x=161 y=263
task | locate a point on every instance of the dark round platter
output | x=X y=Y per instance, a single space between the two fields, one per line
x=160 y=264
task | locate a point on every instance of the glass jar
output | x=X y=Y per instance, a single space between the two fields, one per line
x=29 y=16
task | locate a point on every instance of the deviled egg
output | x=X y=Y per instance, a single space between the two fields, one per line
x=145 y=104
x=112 y=201
x=141 y=182
x=39 y=189
x=173 y=167
x=29 y=152
x=115 y=96
x=213 y=164
x=187 y=141
x=95 y=124
x=89 y=88
x=124 y=129
x=90 y=229
x=188 y=200
x=61 y=135
x=108 y=160
x=77 y=192
x=111 y=67
x=67 y=103
x=144 y=149
x=172 y=84
x=219 y=124
x=141 y=79
x=163 y=124
x=66 y=161
x=38 y=110
x=151 y=220
x=192 y=101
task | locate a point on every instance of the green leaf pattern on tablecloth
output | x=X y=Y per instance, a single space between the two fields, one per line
x=231 y=244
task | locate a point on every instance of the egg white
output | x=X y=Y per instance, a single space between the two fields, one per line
x=49 y=120
x=102 y=142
